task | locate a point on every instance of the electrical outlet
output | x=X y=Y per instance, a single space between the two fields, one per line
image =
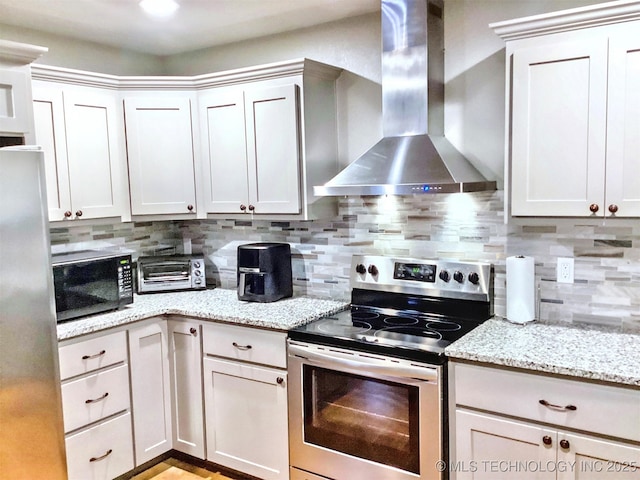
x=565 y=270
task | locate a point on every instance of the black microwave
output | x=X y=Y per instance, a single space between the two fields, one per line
x=88 y=282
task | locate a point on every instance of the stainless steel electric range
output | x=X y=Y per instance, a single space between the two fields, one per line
x=367 y=386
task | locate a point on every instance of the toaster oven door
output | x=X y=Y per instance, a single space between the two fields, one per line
x=164 y=275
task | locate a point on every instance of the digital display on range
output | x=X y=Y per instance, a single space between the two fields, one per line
x=418 y=272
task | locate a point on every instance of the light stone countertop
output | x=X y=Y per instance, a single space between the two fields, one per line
x=585 y=353
x=215 y=304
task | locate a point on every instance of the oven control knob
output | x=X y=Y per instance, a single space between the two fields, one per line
x=373 y=270
x=474 y=278
x=361 y=269
x=458 y=276
x=444 y=276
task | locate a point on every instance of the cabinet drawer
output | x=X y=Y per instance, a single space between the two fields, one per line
x=101 y=452
x=97 y=396
x=99 y=352
x=246 y=344
x=600 y=409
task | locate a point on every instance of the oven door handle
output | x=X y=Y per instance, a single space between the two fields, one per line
x=361 y=364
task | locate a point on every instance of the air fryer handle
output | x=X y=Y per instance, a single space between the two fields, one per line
x=242 y=283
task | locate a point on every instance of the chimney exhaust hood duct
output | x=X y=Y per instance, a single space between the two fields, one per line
x=413 y=156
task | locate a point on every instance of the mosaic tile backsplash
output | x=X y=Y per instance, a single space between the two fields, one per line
x=606 y=291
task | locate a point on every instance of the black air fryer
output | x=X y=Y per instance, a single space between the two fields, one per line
x=264 y=272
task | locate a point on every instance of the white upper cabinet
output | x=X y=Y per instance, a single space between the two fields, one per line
x=16 y=115
x=623 y=126
x=573 y=113
x=269 y=135
x=160 y=154
x=81 y=132
x=252 y=150
x=243 y=143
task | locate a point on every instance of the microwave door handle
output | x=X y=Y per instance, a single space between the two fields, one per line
x=365 y=365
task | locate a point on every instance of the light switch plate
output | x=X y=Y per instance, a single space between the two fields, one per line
x=564 y=270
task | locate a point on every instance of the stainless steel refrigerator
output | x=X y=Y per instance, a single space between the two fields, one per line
x=31 y=427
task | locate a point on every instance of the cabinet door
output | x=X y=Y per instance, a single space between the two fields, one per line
x=15 y=111
x=273 y=149
x=94 y=153
x=591 y=458
x=623 y=134
x=246 y=418
x=150 y=390
x=491 y=448
x=48 y=113
x=225 y=151
x=559 y=101
x=160 y=152
x=186 y=389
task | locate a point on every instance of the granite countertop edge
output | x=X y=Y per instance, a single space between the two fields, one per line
x=218 y=305
x=574 y=351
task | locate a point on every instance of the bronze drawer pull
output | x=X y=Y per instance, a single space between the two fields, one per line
x=95 y=459
x=99 y=354
x=241 y=347
x=558 y=407
x=94 y=400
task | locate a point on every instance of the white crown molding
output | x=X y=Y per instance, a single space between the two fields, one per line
x=75 y=77
x=230 y=77
x=15 y=53
x=566 y=20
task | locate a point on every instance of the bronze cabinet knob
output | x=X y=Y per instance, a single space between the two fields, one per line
x=190 y=208
x=193 y=331
x=594 y=207
x=547 y=440
x=79 y=213
x=67 y=214
x=251 y=208
x=565 y=444
x=613 y=208
x=243 y=207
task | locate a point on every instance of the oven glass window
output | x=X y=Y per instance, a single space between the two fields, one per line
x=364 y=417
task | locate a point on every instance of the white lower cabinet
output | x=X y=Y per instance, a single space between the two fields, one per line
x=246 y=403
x=509 y=424
x=185 y=353
x=150 y=390
x=101 y=452
x=96 y=407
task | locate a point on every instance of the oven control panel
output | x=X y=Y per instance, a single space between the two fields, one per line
x=419 y=272
x=442 y=278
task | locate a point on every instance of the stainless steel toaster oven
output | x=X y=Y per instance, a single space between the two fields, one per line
x=169 y=273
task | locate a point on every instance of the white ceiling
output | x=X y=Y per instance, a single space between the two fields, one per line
x=197 y=23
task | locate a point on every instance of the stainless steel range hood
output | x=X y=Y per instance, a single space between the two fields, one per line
x=414 y=156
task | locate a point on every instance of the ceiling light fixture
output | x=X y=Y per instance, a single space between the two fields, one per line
x=159 y=8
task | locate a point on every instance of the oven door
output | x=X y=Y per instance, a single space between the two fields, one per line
x=359 y=416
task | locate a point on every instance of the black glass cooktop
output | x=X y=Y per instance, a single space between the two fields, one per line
x=396 y=333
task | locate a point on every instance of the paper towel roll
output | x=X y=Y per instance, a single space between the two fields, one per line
x=521 y=291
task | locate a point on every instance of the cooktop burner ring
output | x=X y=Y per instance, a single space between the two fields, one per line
x=443 y=326
x=356 y=327
x=400 y=320
x=364 y=315
x=420 y=332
